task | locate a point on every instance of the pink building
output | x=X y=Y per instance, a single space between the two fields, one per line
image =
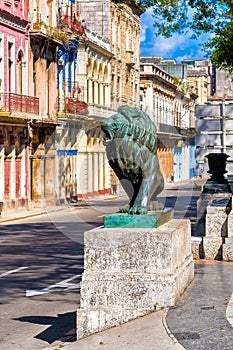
x=13 y=46
x=15 y=104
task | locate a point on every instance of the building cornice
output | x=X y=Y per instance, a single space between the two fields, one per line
x=13 y=21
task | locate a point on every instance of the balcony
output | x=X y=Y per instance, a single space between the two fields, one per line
x=71 y=105
x=68 y=23
x=11 y=102
x=66 y=26
x=101 y=111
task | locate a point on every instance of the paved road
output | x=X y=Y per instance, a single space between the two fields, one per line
x=41 y=261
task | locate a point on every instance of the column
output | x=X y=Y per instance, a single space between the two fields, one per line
x=12 y=176
x=107 y=94
x=101 y=97
x=90 y=93
x=101 y=172
x=82 y=174
x=95 y=173
x=89 y=172
x=107 y=185
x=2 y=173
x=96 y=92
x=23 y=174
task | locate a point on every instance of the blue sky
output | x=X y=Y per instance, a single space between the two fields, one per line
x=179 y=46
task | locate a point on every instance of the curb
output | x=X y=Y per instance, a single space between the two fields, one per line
x=229 y=311
x=27 y=215
x=169 y=333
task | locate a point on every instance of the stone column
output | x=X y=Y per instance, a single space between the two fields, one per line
x=107 y=183
x=81 y=170
x=89 y=172
x=101 y=94
x=107 y=94
x=23 y=174
x=96 y=93
x=228 y=244
x=101 y=172
x=2 y=173
x=90 y=92
x=95 y=173
x=12 y=176
x=216 y=228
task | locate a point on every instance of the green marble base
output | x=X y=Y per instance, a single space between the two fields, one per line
x=153 y=219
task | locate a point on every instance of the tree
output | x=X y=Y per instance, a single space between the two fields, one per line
x=222 y=48
x=201 y=16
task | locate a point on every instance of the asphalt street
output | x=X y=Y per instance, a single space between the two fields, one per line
x=41 y=262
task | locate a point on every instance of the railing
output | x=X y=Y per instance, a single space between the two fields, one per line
x=71 y=23
x=72 y=106
x=64 y=23
x=11 y=102
x=100 y=111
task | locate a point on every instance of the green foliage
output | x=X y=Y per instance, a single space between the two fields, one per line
x=222 y=48
x=201 y=16
x=206 y=16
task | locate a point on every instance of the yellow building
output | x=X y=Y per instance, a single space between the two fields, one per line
x=108 y=71
x=171 y=107
x=119 y=24
x=198 y=80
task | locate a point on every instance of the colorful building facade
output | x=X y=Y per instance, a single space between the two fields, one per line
x=16 y=106
x=171 y=107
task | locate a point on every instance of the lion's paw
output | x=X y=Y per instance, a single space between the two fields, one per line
x=138 y=210
x=124 y=209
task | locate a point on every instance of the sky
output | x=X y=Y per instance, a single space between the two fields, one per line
x=178 y=47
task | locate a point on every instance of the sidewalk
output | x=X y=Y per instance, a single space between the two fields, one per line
x=24 y=213
x=145 y=333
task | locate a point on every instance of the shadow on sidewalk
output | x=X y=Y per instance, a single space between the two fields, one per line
x=62 y=328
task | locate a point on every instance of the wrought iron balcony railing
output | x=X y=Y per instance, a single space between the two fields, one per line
x=70 y=23
x=64 y=23
x=11 y=102
x=71 y=105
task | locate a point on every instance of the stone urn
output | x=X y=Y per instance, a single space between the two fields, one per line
x=217 y=165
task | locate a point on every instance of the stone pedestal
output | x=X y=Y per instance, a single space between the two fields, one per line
x=227 y=250
x=130 y=272
x=203 y=202
x=197 y=247
x=216 y=227
x=228 y=244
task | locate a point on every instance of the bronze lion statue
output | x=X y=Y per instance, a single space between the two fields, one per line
x=131 y=144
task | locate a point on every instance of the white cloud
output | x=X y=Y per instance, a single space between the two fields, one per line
x=146 y=22
x=179 y=46
x=167 y=45
x=143 y=33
